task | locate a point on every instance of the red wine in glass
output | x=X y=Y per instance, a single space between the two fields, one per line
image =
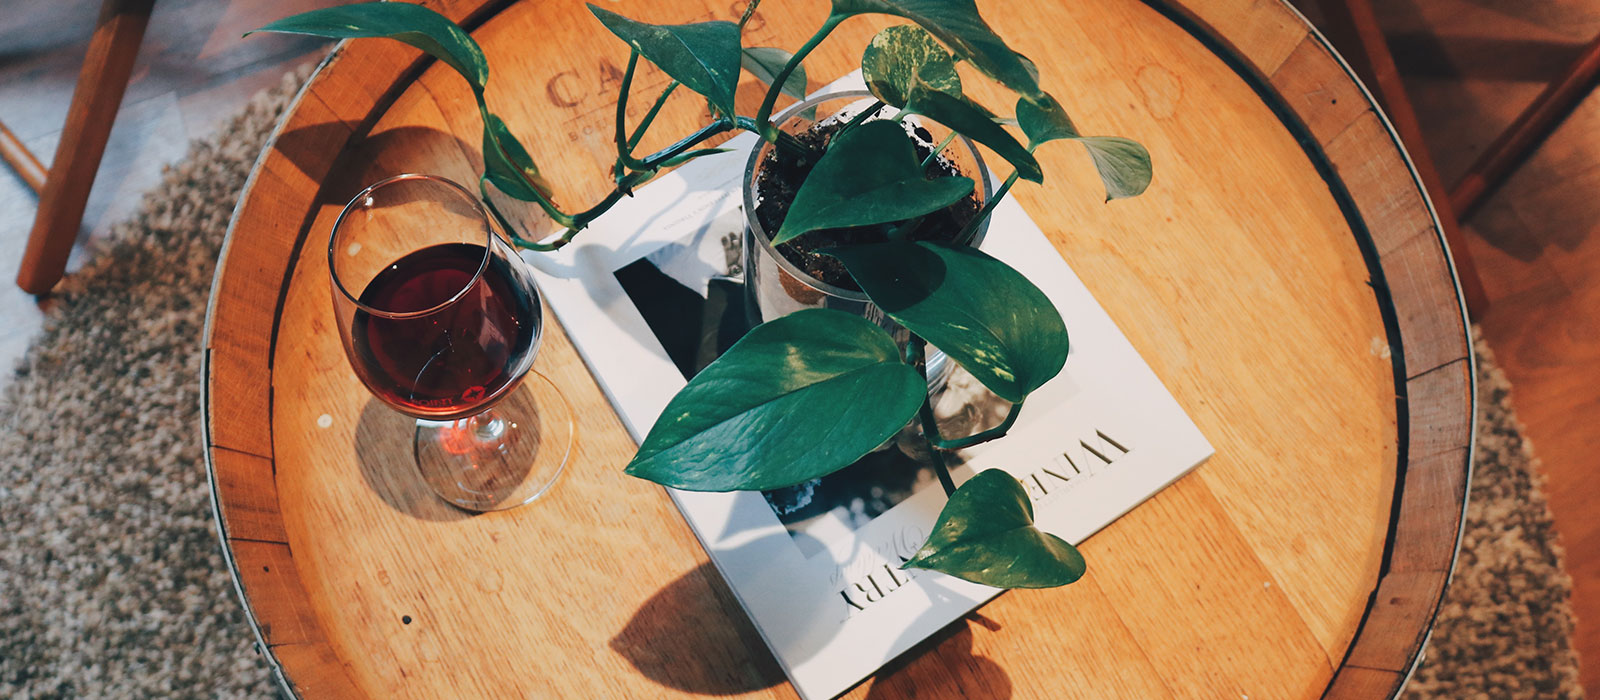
x=463 y=347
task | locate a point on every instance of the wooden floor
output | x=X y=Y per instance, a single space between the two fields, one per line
x=1470 y=66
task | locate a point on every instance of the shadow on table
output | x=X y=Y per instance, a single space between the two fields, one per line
x=944 y=665
x=384 y=450
x=373 y=157
x=693 y=636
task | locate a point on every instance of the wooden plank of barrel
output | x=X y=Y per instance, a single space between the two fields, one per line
x=1284 y=276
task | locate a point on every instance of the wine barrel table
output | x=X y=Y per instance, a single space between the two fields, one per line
x=1284 y=276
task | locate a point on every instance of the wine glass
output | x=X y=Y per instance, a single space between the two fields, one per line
x=441 y=320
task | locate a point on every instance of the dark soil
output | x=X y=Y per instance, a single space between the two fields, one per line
x=781 y=175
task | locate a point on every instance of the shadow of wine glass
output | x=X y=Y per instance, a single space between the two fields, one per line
x=389 y=466
x=374 y=156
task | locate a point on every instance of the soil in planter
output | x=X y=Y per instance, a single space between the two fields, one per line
x=781 y=175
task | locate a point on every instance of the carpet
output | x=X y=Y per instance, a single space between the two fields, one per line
x=112 y=583
x=1505 y=627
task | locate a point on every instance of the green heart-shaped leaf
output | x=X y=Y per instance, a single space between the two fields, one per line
x=413 y=24
x=978 y=310
x=978 y=124
x=906 y=67
x=797 y=398
x=985 y=534
x=1044 y=120
x=869 y=175
x=507 y=164
x=504 y=157
x=1124 y=164
x=902 y=60
x=957 y=24
x=703 y=56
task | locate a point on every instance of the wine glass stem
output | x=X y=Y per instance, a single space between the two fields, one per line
x=488 y=426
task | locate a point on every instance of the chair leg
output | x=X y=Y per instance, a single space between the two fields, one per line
x=21 y=159
x=1353 y=28
x=106 y=69
x=1529 y=130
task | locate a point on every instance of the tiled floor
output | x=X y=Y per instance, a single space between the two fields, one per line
x=1470 y=66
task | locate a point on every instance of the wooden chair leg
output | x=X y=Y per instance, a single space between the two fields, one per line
x=21 y=159
x=106 y=69
x=1525 y=134
x=1353 y=28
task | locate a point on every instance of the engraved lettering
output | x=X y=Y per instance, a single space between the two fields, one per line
x=1034 y=487
x=559 y=96
x=610 y=76
x=1094 y=452
x=848 y=601
x=890 y=570
x=1100 y=452
x=868 y=594
x=1071 y=463
x=1113 y=443
x=875 y=587
x=1051 y=472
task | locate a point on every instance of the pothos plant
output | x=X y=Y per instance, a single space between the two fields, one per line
x=807 y=394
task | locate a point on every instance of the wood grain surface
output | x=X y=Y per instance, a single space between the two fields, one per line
x=1282 y=276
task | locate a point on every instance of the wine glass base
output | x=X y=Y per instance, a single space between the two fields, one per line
x=507 y=456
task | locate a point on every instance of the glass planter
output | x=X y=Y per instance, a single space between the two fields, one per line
x=774 y=286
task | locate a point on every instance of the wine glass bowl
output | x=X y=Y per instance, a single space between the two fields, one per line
x=441 y=320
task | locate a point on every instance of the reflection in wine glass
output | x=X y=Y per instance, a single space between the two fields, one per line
x=441 y=321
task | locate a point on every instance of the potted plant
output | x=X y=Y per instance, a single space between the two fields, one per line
x=800 y=272
x=860 y=253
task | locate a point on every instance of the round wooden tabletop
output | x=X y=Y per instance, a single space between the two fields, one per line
x=1284 y=277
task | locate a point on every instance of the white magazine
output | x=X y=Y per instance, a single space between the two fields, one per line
x=817 y=568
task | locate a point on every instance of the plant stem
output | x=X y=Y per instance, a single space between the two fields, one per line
x=768 y=130
x=624 y=187
x=580 y=220
x=900 y=232
x=930 y=426
x=786 y=140
x=749 y=11
x=971 y=229
x=549 y=208
x=623 y=159
x=505 y=224
x=647 y=169
x=987 y=435
x=650 y=116
x=935 y=153
x=655 y=160
x=649 y=166
x=856 y=120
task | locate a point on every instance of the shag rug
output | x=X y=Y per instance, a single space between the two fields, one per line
x=111 y=580
x=1505 y=628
